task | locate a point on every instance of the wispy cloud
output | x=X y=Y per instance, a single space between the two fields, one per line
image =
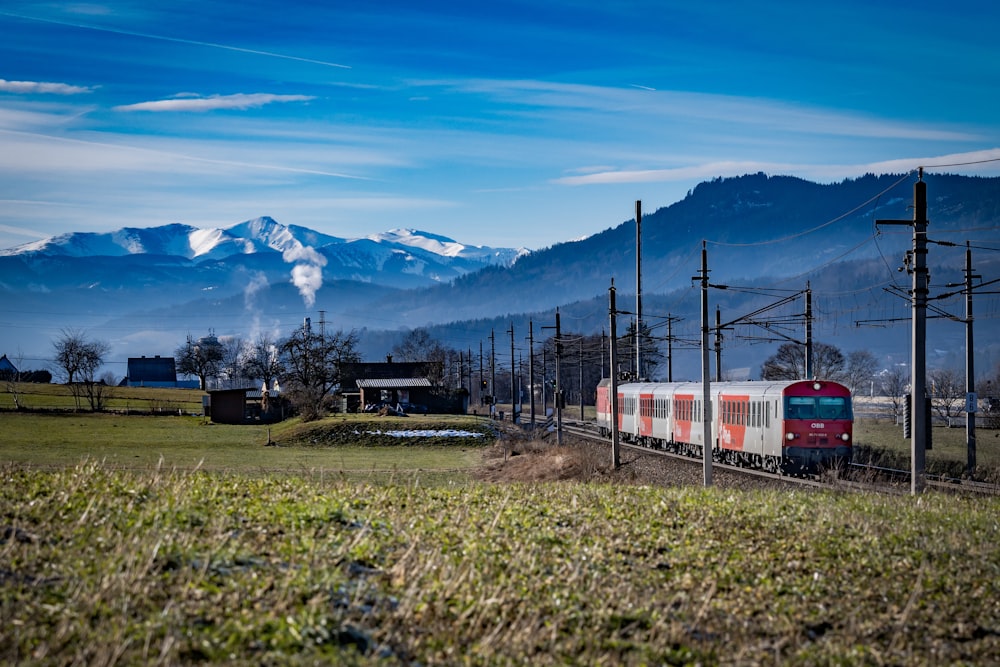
x=241 y=101
x=606 y=104
x=41 y=87
x=817 y=171
x=21 y=231
x=179 y=40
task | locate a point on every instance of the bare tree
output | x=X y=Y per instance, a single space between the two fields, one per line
x=894 y=384
x=859 y=373
x=312 y=364
x=789 y=363
x=947 y=390
x=419 y=346
x=233 y=350
x=79 y=359
x=200 y=358
x=262 y=360
x=12 y=379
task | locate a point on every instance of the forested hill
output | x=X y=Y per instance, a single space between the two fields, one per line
x=755 y=225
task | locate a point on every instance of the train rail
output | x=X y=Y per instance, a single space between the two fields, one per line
x=588 y=430
x=859 y=477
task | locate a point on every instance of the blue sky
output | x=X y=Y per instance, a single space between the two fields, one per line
x=494 y=123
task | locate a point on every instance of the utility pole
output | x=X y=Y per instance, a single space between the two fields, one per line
x=513 y=403
x=706 y=394
x=809 y=332
x=545 y=372
x=638 y=291
x=493 y=373
x=916 y=262
x=970 y=372
x=559 y=398
x=482 y=378
x=615 y=443
x=580 y=366
x=531 y=369
x=670 y=348
x=718 y=345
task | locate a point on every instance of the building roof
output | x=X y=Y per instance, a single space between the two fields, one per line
x=6 y=365
x=392 y=383
x=352 y=374
x=151 y=369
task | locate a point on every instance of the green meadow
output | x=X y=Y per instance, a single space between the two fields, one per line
x=169 y=540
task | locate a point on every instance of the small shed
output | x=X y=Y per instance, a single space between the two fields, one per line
x=244 y=406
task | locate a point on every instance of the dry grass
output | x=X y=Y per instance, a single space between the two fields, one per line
x=550 y=558
x=102 y=566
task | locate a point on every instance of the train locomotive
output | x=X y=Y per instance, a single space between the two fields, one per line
x=788 y=426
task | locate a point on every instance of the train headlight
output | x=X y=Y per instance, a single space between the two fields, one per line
x=817 y=386
x=789 y=436
x=845 y=436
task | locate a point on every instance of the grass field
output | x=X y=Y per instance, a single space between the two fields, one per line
x=188 y=443
x=105 y=566
x=948 y=454
x=169 y=540
x=34 y=396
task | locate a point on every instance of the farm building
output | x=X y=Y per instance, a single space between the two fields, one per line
x=409 y=385
x=151 y=372
x=244 y=406
x=155 y=372
x=6 y=367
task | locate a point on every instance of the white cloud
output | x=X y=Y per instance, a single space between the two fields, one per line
x=186 y=102
x=41 y=87
x=972 y=162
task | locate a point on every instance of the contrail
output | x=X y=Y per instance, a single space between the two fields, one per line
x=178 y=40
x=182 y=156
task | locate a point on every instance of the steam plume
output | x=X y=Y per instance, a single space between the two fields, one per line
x=307 y=274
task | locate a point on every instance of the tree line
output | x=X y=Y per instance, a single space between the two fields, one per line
x=308 y=365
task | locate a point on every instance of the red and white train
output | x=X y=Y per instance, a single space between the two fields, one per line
x=801 y=425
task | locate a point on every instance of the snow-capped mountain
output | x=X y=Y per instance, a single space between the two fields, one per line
x=253 y=236
x=225 y=259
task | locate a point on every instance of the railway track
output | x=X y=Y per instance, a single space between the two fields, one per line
x=859 y=477
x=588 y=430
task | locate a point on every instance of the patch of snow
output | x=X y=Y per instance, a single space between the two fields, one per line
x=428 y=433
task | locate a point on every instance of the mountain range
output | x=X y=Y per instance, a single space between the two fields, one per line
x=145 y=289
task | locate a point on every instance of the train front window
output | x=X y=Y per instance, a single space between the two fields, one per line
x=833 y=407
x=819 y=407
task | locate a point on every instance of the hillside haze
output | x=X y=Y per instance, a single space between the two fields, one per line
x=144 y=290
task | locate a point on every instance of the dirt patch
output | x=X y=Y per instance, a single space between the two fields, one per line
x=518 y=459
